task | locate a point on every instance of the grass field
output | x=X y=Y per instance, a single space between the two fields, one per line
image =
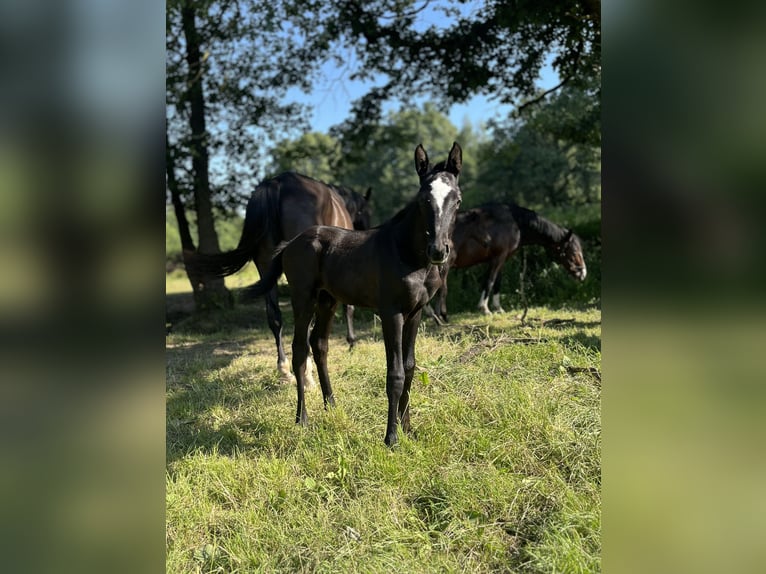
x=502 y=475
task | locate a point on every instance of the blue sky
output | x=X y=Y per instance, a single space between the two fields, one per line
x=331 y=101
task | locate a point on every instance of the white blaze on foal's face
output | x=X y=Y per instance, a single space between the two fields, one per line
x=440 y=189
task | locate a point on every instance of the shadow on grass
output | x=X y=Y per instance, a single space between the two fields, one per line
x=191 y=421
x=590 y=341
x=196 y=393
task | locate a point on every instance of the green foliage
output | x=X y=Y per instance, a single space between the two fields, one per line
x=502 y=475
x=314 y=154
x=386 y=160
x=497 y=48
x=549 y=156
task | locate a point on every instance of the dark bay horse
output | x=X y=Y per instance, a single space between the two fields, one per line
x=358 y=205
x=394 y=269
x=279 y=209
x=492 y=233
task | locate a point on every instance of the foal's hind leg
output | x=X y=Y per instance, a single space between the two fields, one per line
x=303 y=312
x=320 y=334
x=274 y=318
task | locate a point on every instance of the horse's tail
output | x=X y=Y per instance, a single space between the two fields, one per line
x=261 y=218
x=269 y=279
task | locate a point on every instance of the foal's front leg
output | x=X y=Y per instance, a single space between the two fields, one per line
x=350 y=336
x=392 y=336
x=409 y=334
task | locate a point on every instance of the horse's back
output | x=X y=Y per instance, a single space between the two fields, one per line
x=486 y=232
x=306 y=202
x=338 y=260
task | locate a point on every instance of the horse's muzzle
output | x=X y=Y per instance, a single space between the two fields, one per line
x=438 y=256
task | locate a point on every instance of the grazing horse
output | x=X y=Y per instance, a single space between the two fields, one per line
x=279 y=209
x=394 y=269
x=495 y=231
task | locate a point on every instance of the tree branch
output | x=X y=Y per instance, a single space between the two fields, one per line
x=536 y=99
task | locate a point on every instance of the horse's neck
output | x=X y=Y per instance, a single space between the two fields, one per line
x=408 y=232
x=536 y=230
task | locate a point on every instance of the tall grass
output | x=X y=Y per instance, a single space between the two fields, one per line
x=502 y=473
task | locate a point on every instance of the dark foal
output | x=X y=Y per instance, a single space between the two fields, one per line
x=358 y=207
x=394 y=269
x=492 y=233
x=279 y=209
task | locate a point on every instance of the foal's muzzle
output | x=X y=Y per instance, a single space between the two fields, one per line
x=438 y=256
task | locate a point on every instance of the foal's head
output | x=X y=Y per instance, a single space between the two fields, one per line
x=438 y=200
x=568 y=253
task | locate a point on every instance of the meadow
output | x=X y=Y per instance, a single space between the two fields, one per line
x=501 y=474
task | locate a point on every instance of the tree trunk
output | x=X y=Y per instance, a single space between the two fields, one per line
x=210 y=292
x=187 y=242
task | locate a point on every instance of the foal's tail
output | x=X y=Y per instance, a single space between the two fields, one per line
x=269 y=279
x=261 y=219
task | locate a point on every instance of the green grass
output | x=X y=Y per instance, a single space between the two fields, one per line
x=502 y=475
x=178 y=282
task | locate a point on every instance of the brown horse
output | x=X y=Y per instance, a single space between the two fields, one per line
x=279 y=209
x=493 y=233
x=394 y=269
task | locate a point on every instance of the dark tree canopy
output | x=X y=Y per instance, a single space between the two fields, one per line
x=495 y=48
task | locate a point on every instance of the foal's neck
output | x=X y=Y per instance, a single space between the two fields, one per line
x=409 y=233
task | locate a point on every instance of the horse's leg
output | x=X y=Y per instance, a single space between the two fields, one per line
x=429 y=312
x=350 y=336
x=409 y=333
x=392 y=336
x=496 y=292
x=320 y=334
x=484 y=298
x=274 y=318
x=303 y=311
x=489 y=282
x=442 y=310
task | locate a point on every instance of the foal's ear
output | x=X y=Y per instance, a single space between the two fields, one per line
x=421 y=160
x=568 y=236
x=455 y=160
x=368 y=194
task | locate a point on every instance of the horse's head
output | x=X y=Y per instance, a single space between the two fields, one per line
x=439 y=199
x=363 y=213
x=568 y=253
x=358 y=206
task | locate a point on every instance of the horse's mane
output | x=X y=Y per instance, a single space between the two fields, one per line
x=529 y=219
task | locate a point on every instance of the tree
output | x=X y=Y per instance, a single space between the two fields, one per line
x=385 y=161
x=548 y=155
x=496 y=49
x=314 y=154
x=229 y=65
